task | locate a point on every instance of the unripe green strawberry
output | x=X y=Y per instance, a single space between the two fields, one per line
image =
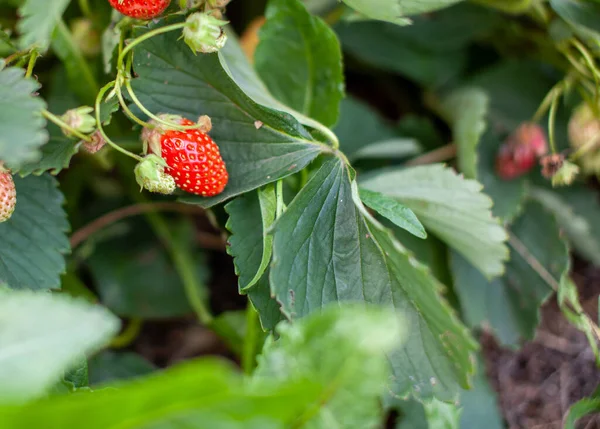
x=8 y=195
x=150 y=175
x=204 y=33
x=584 y=134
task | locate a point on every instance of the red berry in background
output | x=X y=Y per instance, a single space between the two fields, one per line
x=519 y=153
x=192 y=157
x=140 y=9
x=8 y=195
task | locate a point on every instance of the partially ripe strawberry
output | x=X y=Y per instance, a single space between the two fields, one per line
x=192 y=157
x=519 y=153
x=8 y=195
x=140 y=9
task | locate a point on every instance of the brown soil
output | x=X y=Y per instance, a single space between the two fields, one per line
x=537 y=384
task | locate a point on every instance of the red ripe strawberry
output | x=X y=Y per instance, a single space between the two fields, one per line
x=192 y=157
x=140 y=9
x=8 y=195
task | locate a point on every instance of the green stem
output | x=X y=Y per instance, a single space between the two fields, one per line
x=129 y=334
x=32 y=59
x=115 y=146
x=127 y=111
x=184 y=265
x=145 y=37
x=55 y=119
x=250 y=339
x=85 y=8
x=151 y=115
x=552 y=122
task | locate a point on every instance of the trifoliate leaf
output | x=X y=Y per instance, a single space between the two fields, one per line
x=300 y=60
x=38 y=20
x=327 y=248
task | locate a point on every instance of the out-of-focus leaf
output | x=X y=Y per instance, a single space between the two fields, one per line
x=136 y=278
x=510 y=305
x=466 y=110
x=22 y=126
x=344 y=350
x=300 y=61
x=451 y=207
x=431 y=51
x=110 y=366
x=581 y=409
x=586 y=13
x=204 y=393
x=396 y=10
x=41 y=336
x=38 y=20
x=577 y=211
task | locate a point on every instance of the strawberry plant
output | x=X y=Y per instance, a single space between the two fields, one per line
x=296 y=214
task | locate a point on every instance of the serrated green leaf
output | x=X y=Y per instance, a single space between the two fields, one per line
x=41 y=336
x=328 y=249
x=300 y=60
x=577 y=211
x=395 y=10
x=510 y=305
x=22 y=126
x=344 y=350
x=34 y=239
x=391 y=209
x=207 y=390
x=451 y=207
x=57 y=153
x=269 y=310
x=466 y=110
x=38 y=20
x=110 y=366
x=250 y=217
x=259 y=145
x=237 y=66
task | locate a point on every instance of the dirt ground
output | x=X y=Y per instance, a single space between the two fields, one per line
x=537 y=384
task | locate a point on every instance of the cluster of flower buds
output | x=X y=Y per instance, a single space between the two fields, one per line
x=521 y=150
x=82 y=121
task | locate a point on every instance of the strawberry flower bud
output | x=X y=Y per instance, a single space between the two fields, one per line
x=150 y=175
x=96 y=144
x=204 y=33
x=80 y=119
